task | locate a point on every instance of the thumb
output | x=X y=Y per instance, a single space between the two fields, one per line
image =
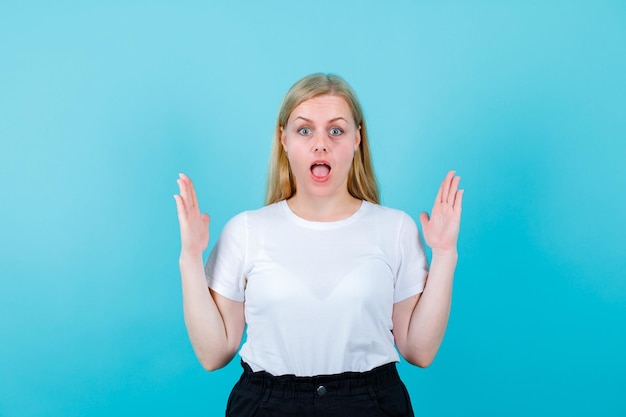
x=424 y=219
x=205 y=219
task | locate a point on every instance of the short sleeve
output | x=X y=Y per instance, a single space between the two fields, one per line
x=225 y=268
x=412 y=262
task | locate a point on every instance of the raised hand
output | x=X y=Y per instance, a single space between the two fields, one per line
x=441 y=229
x=194 y=227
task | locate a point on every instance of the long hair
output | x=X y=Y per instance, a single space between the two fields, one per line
x=281 y=183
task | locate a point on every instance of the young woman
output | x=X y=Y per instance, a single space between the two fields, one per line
x=326 y=279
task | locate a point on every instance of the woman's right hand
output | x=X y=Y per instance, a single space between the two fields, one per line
x=194 y=226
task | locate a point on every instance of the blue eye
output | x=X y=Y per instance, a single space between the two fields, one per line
x=304 y=131
x=336 y=131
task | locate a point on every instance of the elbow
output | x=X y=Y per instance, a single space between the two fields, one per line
x=210 y=368
x=420 y=359
x=210 y=364
x=420 y=353
x=213 y=362
x=422 y=362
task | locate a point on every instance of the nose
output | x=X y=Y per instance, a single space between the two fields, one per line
x=320 y=143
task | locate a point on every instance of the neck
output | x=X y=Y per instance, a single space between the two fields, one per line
x=324 y=209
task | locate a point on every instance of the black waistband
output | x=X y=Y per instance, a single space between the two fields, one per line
x=347 y=383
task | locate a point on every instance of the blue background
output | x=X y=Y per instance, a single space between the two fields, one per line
x=102 y=104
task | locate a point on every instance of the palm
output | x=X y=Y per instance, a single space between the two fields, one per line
x=441 y=228
x=194 y=226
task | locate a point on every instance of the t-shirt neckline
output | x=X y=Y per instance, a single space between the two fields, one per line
x=322 y=225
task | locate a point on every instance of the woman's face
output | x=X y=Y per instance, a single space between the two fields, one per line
x=320 y=139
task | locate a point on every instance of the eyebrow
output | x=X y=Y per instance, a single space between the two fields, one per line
x=330 y=121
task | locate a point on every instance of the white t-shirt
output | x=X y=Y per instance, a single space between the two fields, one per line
x=318 y=295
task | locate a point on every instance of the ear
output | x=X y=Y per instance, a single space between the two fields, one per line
x=283 y=138
x=357 y=139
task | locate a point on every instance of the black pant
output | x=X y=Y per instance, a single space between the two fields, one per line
x=376 y=393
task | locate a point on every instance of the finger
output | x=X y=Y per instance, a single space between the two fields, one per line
x=184 y=189
x=454 y=186
x=205 y=219
x=180 y=208
x=192 y=190
x=439 y=194
x=458 y=201
x=424 y=219
x=185 y=193
x=445 y=187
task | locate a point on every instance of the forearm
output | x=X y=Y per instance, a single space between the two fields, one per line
x=430 y=316
x=205 y=325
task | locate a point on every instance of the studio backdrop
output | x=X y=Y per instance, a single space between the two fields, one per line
x=103 y=103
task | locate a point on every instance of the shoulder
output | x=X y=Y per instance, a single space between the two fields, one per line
x=248 y=217
x=386 y=214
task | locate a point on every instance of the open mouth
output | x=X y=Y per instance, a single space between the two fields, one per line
x=320 y=169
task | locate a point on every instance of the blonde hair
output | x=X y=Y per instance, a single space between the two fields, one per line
x=361 y=179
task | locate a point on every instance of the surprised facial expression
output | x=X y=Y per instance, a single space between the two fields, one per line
x=320 y=138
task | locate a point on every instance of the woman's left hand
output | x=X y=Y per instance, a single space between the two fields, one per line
x=441 y=229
